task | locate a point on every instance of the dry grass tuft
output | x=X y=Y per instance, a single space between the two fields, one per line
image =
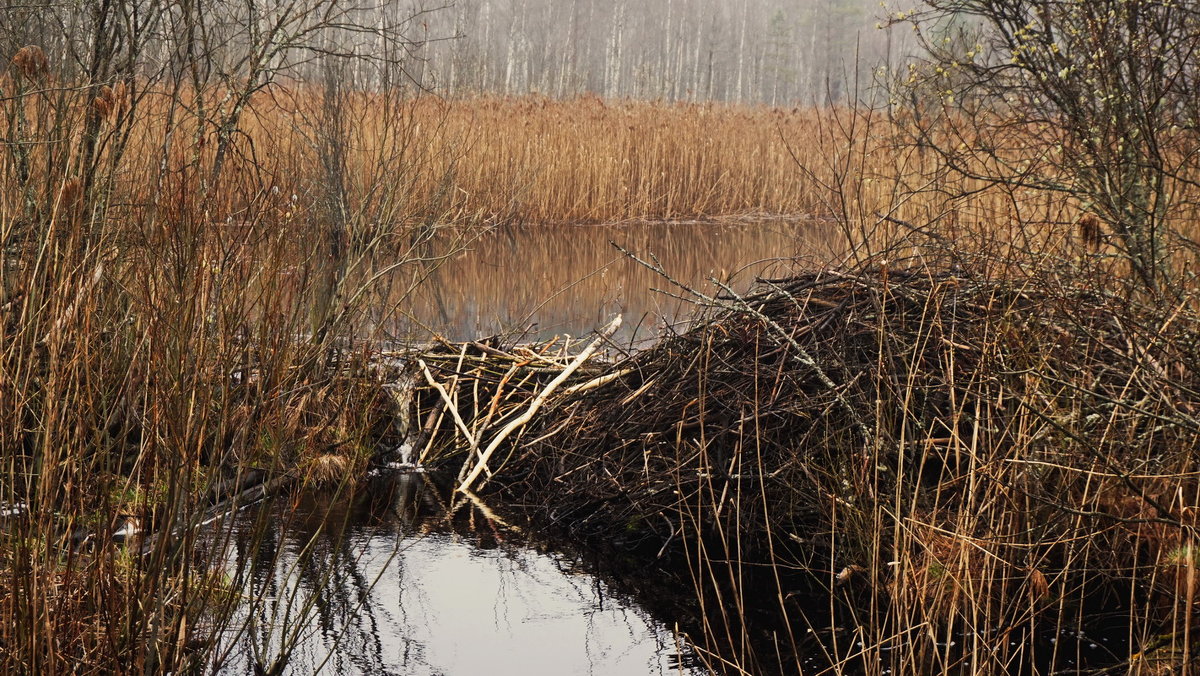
x=30 y=62
x=328 y=468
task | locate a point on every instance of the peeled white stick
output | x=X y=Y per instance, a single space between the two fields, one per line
x=597 y=382
x=462 y=426
x=537 y=402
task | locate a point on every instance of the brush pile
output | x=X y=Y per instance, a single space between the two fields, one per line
x=953 y=443
x=864 y=373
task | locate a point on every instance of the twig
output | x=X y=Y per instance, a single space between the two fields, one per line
x=597 y=382
x=536 y=404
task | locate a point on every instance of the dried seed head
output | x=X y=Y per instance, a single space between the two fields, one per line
x=1038 y=585
x=105 y=102
x=1090 y=232
x=30 y=62
x=70 y=193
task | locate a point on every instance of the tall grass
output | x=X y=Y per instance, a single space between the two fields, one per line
x=179 y=308
x=538 y=160
x=189 y=292
x=587 y=160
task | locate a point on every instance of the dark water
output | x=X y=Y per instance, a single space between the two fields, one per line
x=542 y=281
x=397 y=579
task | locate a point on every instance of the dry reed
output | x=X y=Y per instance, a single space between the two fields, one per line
x=167 y=328
x=888 y=470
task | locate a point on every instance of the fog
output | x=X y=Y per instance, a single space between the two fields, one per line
x=771 y=51
x=780 y=52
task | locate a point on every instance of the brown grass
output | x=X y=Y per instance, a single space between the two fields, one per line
x=180 y=303
x=537 y=160
x=169 y=321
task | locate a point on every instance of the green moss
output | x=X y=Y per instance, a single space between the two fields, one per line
x=1184 y=555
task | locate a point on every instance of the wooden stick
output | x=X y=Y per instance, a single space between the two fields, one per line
x=462 y=426
x=597 y=381
x=537 y=402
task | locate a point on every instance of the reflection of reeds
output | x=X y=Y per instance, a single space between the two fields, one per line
x=532 y=160
x=571 y=279
x=156 y=343
x=391 y=589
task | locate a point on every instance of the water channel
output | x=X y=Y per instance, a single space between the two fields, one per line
x=400 y=577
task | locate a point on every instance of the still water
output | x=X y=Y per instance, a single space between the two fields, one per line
x=537 y=282
x=397 y=578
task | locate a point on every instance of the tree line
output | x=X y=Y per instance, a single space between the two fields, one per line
x=750 y=51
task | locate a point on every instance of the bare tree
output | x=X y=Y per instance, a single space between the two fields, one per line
x=1096 y=101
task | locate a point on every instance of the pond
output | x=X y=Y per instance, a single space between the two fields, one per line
x=403 y=578
x=537 y=282
x=397 y=578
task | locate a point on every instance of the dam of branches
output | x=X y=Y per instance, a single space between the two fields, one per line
x=806 y=466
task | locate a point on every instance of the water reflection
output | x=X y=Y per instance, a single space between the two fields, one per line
x=541 y=281
x=394 y=580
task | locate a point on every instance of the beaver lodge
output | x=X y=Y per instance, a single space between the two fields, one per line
x=866 y=470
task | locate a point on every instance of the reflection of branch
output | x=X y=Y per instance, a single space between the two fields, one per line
x=487 y=511
x=352 y=613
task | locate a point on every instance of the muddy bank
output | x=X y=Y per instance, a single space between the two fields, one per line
x=965 y=470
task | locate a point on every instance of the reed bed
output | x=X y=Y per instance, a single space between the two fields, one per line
x=538 y=160
x=895 y=469
x=191 y=293
x=535 y=160
x=173 y=324
x=590 y=161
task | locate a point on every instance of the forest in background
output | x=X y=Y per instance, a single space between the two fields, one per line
x=981 y=426
x=744 y=51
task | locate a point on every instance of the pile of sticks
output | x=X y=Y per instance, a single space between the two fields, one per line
x=489 y=394
x=816 y=381
x=812 y=383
